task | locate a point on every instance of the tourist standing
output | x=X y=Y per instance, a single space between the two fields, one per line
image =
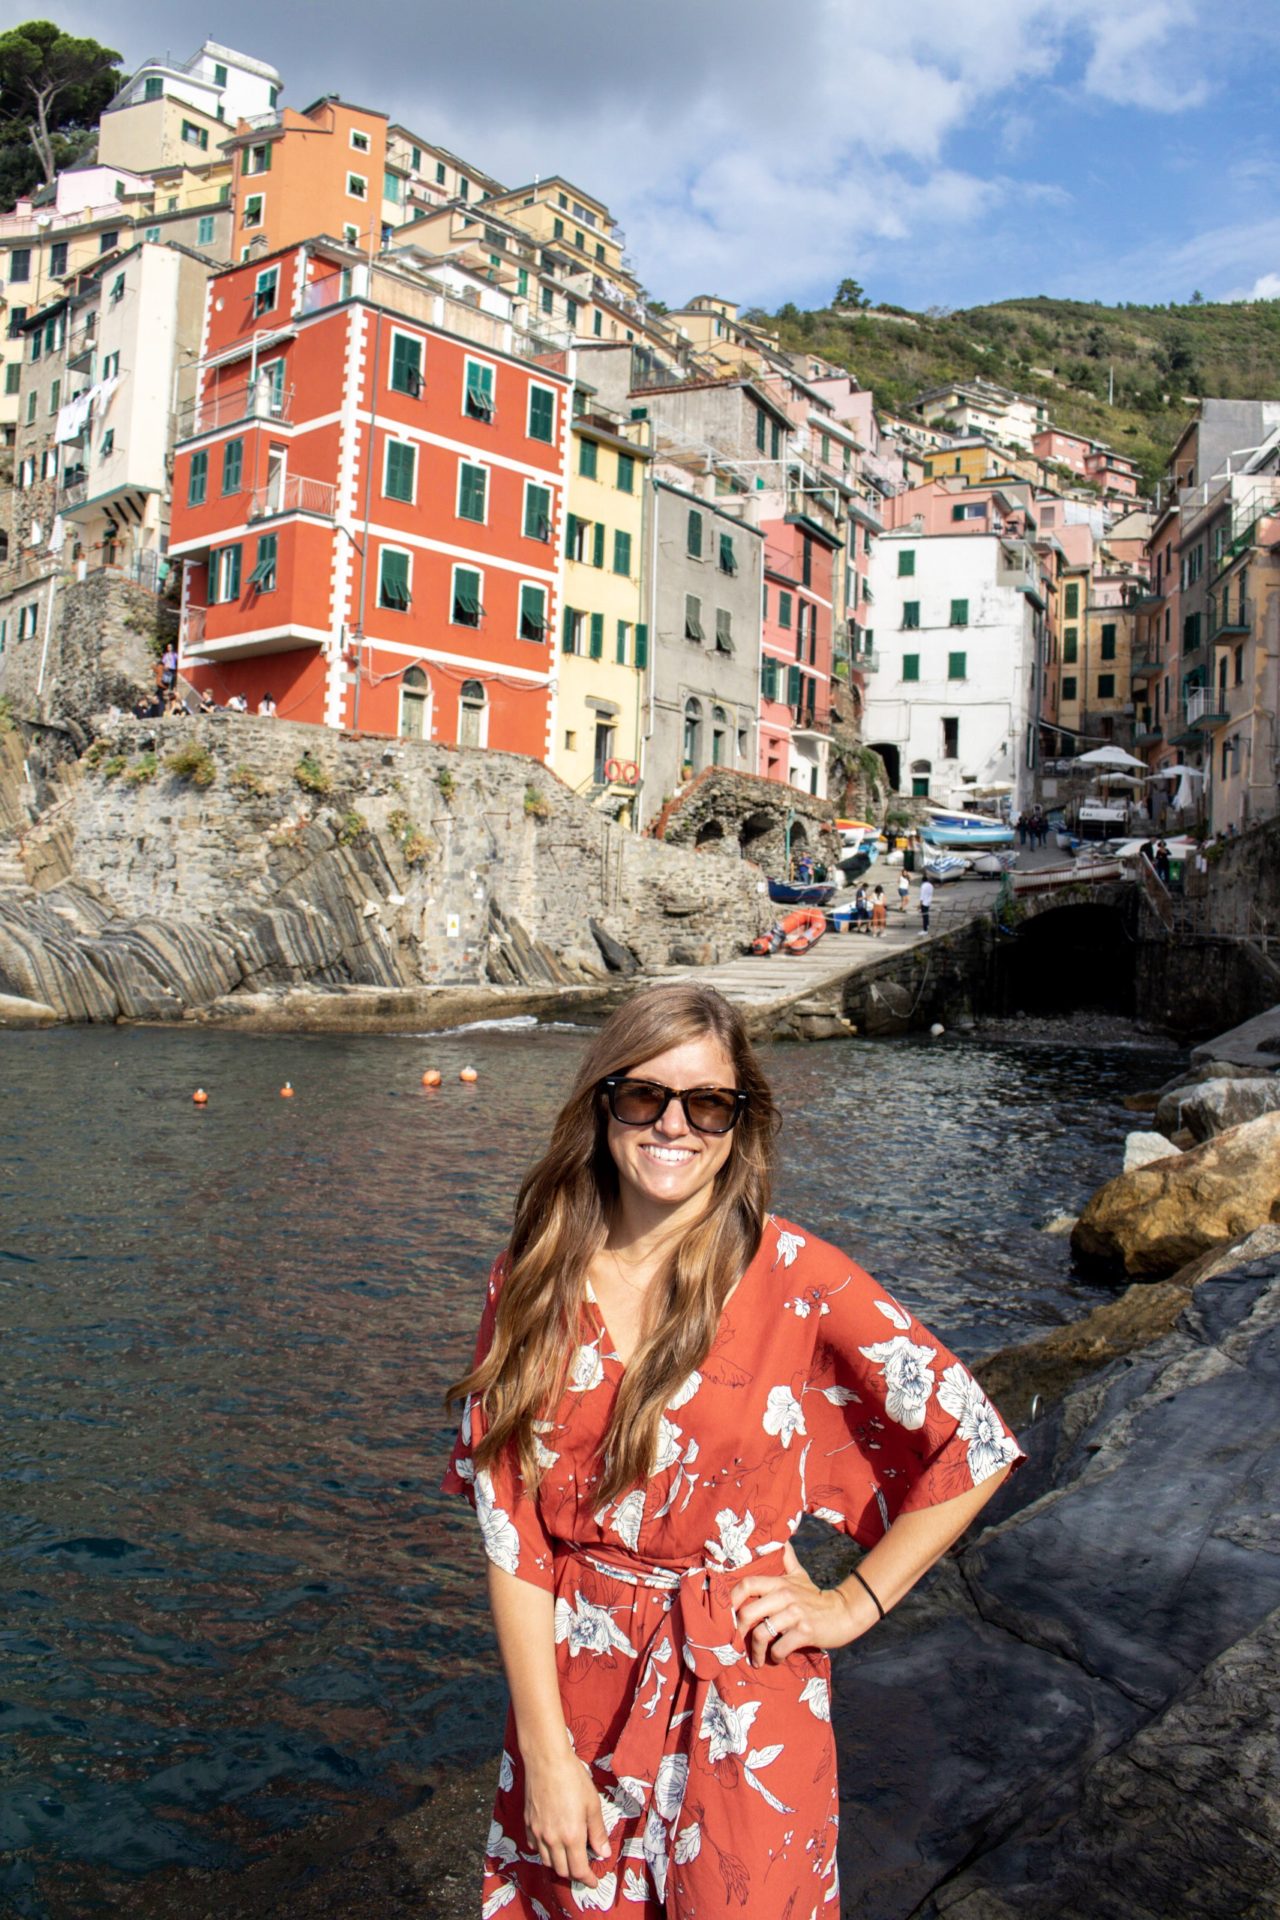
x=657 y=1630
x=879 y=913
x=904 y=890
x=169 y=667
x=926 y=901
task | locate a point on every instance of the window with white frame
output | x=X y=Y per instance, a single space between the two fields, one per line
x=265 y=289
x=466 y=597
x=477 y=401
x=253 y=210
x=357 y=187
x=533 y=611
x=359 y=140
x=473 y=492
x=400 y=471
x=394 y=579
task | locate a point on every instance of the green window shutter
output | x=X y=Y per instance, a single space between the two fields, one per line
x=402 y=462
x=542 y=414
x=959 y=613
x=911 y=613
x=597 y=636
x=263 y=576
x=231 y=573
x=1070 y=645
x=232 y=465
x=955 y=666
x=784 y=609
x=768 y=671
x=472 y=492
x=533 y=613
x=642 y=644
x=479 y=396
x=598 y=554
x=1109 y=642
x=911 y=666
x=693 y=539
x=587 y=459
x=1106 y=686
x=571 y=524
x=621 y=552
x=1068 y=686
x=775 y=442
x=406 y=364
x=761 y=425
x=1071 y=599
x=393 y=580
x=626 y=473
x=567 y=624
x=724 y=630
x=906 y=562
x=728 y=562
x=537 y=513
x=198 y=479
x=620 y=644
x=466 y=597
x=795 y=681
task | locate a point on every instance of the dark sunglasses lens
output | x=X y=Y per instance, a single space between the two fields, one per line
x=636 y=1103
x=712 y=1112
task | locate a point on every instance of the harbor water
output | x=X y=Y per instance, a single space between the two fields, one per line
x=232 y=1599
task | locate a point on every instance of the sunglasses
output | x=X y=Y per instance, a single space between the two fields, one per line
x=642 y=1103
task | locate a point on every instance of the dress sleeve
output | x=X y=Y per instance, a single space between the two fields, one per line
x=896 y=1422
x=515 y=1538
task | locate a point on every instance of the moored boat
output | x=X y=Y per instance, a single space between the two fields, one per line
x=803 y=929
x=965 y=830
x=786 y=893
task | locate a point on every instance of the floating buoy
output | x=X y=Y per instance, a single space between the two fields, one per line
x=432 y=1077
x=200 y=1097
x=286 y=1091
x=937 y=1031
x=468 y=1074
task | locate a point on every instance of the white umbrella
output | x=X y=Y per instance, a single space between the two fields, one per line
x=1109 y=757
x=1121 y=780
x=1177 y=772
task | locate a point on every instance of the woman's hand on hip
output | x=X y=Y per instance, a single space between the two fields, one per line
x=779 y=1614
x=562 y=1817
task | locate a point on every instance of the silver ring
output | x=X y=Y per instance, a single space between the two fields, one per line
x=769 y=1623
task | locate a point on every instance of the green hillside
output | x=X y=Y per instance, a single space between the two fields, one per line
x=1162 y=359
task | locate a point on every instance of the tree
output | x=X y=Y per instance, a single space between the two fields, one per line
x=1197 y=298
x=53 y=86
x=850 y=294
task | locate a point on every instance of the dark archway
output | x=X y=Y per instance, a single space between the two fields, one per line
x=892 y=763
x=1068 y=958
x=756 y=827
x=709 y=834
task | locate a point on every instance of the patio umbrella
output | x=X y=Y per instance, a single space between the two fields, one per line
x=1186 y=793
x=1109 y=757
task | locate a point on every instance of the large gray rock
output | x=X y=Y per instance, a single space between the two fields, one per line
x=1140 y=1149
x=1175 y=1093
x=1077 y=1717
x=1220 y=1104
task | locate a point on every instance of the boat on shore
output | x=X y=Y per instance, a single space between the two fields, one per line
x=787 y=893
x=941 y=866
x=794 y=933
x=995 y=860
x=964 y=831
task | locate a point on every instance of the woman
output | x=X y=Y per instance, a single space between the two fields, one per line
x=666 y=1379
x=879 y=914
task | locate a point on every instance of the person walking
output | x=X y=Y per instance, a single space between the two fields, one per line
x=879 y=913
x=926 y=901
x=169 y=667
x=667 y=1376
x=904 y=890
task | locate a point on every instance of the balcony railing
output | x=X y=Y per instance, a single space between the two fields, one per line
x=1206 y=707
x=294 y=493
x=222 y=407
x=72 y=494
x=1233 y=622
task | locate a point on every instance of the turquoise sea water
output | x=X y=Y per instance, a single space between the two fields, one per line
x=231 y=1597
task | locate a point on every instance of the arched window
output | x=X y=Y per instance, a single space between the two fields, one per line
x=693 y=733
x=719 y=736
x=473 y=715
x=415 y=705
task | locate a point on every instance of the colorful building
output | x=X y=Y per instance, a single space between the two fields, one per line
x=298 y=175
x=604 y=636
x=369 y=497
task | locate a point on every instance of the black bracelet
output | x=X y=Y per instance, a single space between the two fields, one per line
x=862 y=1583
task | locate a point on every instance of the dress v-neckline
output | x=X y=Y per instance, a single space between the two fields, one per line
x=592 y=1303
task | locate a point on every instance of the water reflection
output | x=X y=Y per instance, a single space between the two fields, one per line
x=232 y=1596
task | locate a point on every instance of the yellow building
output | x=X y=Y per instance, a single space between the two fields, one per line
x=712 y=327
x=604 y=641
x=562 y=217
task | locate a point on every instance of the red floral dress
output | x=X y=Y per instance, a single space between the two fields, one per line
x=717 y=1779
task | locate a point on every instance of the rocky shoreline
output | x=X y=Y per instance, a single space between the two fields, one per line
x=1074 y=1714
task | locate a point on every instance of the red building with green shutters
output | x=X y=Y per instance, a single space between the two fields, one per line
x=368 y=498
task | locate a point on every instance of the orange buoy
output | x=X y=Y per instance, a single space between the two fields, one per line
x=468 y=1074
x=286 y=1091
x=200 y=1097
x=432 y=1077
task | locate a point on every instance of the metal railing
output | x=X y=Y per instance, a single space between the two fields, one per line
x=193 y=626
x=224 y=406
x=1203 y=703
x=1231 y=621
x=294 y=493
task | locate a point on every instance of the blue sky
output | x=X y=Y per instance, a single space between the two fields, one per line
x=942 y=152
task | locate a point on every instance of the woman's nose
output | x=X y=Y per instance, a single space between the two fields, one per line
x=671 y=1120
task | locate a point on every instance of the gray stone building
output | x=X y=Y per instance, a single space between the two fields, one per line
x=704 y=599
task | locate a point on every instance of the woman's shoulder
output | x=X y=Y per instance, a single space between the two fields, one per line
x=786 y=1246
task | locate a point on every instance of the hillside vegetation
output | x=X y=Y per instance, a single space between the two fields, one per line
x=1162 y=359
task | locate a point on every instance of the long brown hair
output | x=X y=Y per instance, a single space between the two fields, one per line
x=562 y=1218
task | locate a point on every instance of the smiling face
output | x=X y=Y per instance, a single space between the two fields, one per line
x=668 y=1167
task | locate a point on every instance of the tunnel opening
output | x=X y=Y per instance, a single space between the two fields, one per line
x=1070 y=959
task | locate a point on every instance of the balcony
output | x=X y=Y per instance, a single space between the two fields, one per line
x=1144 y=669
x=1206 y=707
x=1232 y=624
x=293 y=493
x=1145 y=735
x=256 y=399
x=73 y=493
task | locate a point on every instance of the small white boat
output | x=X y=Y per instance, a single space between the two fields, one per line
x=967 y=830
x=941 y=866
x=994 y=860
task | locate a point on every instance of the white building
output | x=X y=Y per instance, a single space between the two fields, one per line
x=950 y=699
x=217 y=81
x=978 y=406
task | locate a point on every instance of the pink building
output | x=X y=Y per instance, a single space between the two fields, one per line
x=952 y=506
x=1063 y=449
x=1115 y=475
x=796 y=658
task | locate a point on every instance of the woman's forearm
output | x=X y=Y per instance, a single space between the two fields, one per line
x=524 y=1620
x=912 y=1545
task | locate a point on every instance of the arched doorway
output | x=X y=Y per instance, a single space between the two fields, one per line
x=719 y=736
x=415 y=705
x=473 y=715
x=710 y=833
x=920 y=772
x=892 y=762
x=692 y=751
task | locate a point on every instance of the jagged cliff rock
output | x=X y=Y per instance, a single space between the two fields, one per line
x=269 y=856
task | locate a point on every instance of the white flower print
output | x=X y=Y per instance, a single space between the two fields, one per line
x=587 y=1369
x=627 y=1516
x=838 y=1396
x=506 y=1773
x=500 y=1897
x=789 y=1245
x=758 y=1758
x=990 y=1447
x=655 y=1851
x=726 y=1729
x=668 y=1447
x=635 y=1886
x=668 y=1788
x=464 y=1425
x=816 y=1695
x=597 y=1899
x=731 y=1549
x=501 y=1541
x=908 y=1378
x=543 y=1455
x=499 y=1847
x=685 y=1392
x=784 y=1415
x=892 y=1311
x=800 y=1307
x=589 y=1628
x=688 y=1844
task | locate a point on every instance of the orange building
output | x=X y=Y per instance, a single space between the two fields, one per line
x=368 y=497
x=323 y=170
